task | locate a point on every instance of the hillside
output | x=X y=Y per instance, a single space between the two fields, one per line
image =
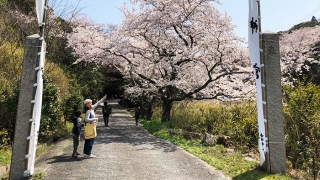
x=300 y=53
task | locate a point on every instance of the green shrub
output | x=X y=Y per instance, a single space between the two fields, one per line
x=152 y=126
x=302 y=124
x=236 y=120
x=8 y=107
x=10 y=67
x=51 y=114
x=71 y=103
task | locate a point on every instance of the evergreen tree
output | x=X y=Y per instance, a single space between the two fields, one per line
x=314 y=19
x=26 y=6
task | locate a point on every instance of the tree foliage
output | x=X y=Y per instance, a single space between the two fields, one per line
x=59 y=77
x=17 y=21
x=73 y=102
x=8 y=105
x=11 y=55
x=26 y=6
x=10 y=72
x=314 y=19
x=176 y=49
x=51 y=110
x=300 y=52
x=303 y=25
x=302 y=123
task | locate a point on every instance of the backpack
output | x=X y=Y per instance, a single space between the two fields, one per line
x=107 y=110
x=75 y=128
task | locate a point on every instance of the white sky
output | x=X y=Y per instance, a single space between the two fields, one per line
x=276 y=15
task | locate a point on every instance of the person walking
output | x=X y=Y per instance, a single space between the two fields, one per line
x=106 y=110
x=90 y=117
x=137 y=114
x=76 y=131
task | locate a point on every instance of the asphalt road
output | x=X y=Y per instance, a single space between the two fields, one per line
x=124 y=152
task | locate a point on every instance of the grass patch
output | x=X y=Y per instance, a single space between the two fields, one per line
x=65 y=143
x=229 y=162
x=5 y=156
x=43 y=149
x=62 y=131
x=37 y=176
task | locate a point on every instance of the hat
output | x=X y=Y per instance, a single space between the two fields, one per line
x=87 y=101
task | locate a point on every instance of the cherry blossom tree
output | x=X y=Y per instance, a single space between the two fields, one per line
x=299 y=53
x=177 y=49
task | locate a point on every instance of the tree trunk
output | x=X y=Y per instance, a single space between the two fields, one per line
x=146 y=102
x=166 y=109
x=149 y=111
x=146 y=110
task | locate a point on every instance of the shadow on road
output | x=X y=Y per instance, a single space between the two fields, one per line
x=122 y=129
x=124 y=151
x=63 y=159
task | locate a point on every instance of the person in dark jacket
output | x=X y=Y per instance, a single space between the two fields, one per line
x=76 y=131
x=137 y=112
x=106 y=109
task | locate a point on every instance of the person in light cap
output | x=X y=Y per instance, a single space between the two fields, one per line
x=90 y=117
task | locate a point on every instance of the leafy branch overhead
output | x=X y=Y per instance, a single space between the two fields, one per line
x=187 y=45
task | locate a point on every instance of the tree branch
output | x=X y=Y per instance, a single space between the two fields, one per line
x=180 y=36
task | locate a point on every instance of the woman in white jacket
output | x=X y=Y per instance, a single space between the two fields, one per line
x=90 y=117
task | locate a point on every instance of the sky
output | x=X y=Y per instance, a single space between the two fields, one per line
x=276 y=15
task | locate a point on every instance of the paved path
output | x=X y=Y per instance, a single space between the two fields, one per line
x=124 y=152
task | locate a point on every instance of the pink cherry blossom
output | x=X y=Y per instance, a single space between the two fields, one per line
x=175 y=48
x=298 y=47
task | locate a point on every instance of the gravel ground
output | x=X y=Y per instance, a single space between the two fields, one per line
x=126 y=152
